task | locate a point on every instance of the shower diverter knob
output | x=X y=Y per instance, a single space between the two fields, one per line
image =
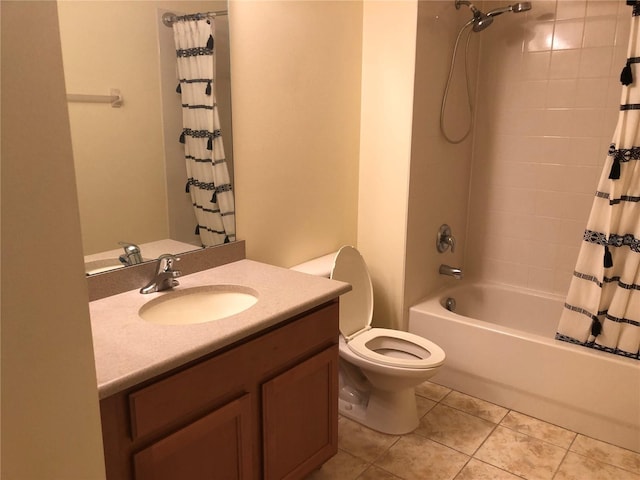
x=445 y=239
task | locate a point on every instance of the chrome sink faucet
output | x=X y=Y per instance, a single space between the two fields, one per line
x=165 y=277
x=454 y=272
x=131 y=255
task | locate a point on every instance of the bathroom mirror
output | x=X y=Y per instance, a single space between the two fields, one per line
x=130 y=166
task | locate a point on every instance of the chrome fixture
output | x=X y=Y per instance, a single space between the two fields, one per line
x=165 y=277
x=515 y=8
x=478 y=22
x=169 y=18
x=450 y=304
x=131 y=255
x=481 y=20
x=445 y=239
x=454 y=272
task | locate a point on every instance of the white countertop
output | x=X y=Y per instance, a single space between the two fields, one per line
x=129 y=350
x=150 y=250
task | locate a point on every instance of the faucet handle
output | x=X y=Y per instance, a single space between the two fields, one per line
x=166 y=261
x=452 y=242
x=445 y=239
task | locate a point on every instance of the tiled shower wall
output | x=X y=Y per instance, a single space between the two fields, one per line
x=548 y=94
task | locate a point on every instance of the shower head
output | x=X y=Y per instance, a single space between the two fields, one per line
x=480 y=20
x=515 y=8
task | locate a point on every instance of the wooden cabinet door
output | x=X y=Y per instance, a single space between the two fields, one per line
x=217 y=446
x=300 y=417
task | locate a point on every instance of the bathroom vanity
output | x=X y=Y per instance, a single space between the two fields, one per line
x=249 y=396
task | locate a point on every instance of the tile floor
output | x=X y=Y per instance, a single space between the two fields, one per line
x=465 y=438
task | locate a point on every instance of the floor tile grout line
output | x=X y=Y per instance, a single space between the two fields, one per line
x=509 y=410
x=619 y=467
x=474 y=415
x=387 y=471
x=443 y=445
x=633 y=452
x=517 y=475
x=483 y=442
x=481 y=400
x=381 y=455
x=495 y=425
x=555 y=473
x=462 y=468
x=536 y=438
x=500 y=423
x=359 y=475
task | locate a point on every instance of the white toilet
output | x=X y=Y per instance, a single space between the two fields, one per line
x=379 y=367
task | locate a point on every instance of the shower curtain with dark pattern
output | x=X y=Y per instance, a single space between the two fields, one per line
x=208 y=180
x=602 y=308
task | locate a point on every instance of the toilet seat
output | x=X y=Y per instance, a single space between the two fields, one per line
x=417 y=352
x=403 y=349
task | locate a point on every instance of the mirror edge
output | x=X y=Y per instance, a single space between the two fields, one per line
x=122 y=280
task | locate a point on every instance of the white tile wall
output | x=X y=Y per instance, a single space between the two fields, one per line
x=548 y=98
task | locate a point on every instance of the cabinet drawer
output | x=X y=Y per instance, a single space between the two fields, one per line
x=197 y=389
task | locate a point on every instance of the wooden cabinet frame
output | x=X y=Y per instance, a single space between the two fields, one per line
x=251 y=381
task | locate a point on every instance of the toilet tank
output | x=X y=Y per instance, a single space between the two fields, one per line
x=320 y=267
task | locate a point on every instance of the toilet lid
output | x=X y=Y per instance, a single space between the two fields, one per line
x=356 y=306
x=416 y=351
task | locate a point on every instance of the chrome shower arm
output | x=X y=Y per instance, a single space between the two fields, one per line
x=498 y=11
x=471 y=6
x=462 y=2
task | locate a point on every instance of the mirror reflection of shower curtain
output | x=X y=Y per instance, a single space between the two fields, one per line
x=208 y=180
x=602 y=308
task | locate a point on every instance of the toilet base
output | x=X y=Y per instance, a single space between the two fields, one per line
x=393 y=413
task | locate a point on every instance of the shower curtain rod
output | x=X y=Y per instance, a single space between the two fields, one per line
x=169 y=18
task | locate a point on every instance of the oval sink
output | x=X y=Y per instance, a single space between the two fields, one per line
x=198 y=304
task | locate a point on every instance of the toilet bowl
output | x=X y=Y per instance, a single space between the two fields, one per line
x=379 y=367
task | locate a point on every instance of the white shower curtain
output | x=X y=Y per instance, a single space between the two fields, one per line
x=208 y=179
x=602 y=308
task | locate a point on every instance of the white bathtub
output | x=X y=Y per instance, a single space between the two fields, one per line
x=500 y=346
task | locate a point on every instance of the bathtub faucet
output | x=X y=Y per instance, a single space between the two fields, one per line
x=451 y=271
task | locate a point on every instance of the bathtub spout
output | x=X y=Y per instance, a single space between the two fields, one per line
x=451 y=271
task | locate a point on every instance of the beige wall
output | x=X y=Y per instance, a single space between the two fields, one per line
x=439 y=179
x=548 y=100
x=50 y=418
x=296 y=110
x=388 y=59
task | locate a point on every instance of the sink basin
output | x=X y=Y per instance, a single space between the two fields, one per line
x=198 y=304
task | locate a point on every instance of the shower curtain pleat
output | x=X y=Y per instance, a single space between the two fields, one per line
x=602 y=308
x=208 y=180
